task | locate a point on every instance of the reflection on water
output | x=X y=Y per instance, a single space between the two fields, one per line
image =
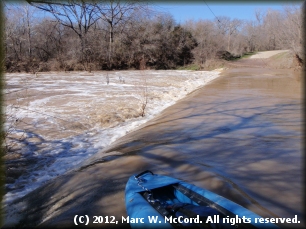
x=239 y=136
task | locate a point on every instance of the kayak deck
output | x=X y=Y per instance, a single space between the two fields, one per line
x=151 y=195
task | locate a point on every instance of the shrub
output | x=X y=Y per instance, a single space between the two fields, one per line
x=212 y=64
x=78 y=67
x=225 y=55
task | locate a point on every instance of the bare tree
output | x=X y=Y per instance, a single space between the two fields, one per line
x=121 y=34
x=293 y=31
x=12 y=36
x=249 y=32
x=229 y=27
x=144 y=96
x=115 y=13
x=28 y=21
x=207 y=39
x=19 y=32
x=79 y=16
x=232 y=30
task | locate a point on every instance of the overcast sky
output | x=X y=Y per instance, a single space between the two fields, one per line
x=196 y=10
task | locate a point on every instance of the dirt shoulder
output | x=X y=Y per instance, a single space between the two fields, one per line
x=267 y=54
x=277 y=59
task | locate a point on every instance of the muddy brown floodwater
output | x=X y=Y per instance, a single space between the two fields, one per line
x=240 y=136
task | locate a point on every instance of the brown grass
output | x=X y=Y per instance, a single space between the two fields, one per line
x=213 y=64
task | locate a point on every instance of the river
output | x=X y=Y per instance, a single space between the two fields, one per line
x=240 y=136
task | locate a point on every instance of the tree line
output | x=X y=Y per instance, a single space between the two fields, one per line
x=105 y=35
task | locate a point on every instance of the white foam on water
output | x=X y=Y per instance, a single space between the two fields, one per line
x=54 y=157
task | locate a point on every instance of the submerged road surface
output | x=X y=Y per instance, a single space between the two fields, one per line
x=239 y=136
